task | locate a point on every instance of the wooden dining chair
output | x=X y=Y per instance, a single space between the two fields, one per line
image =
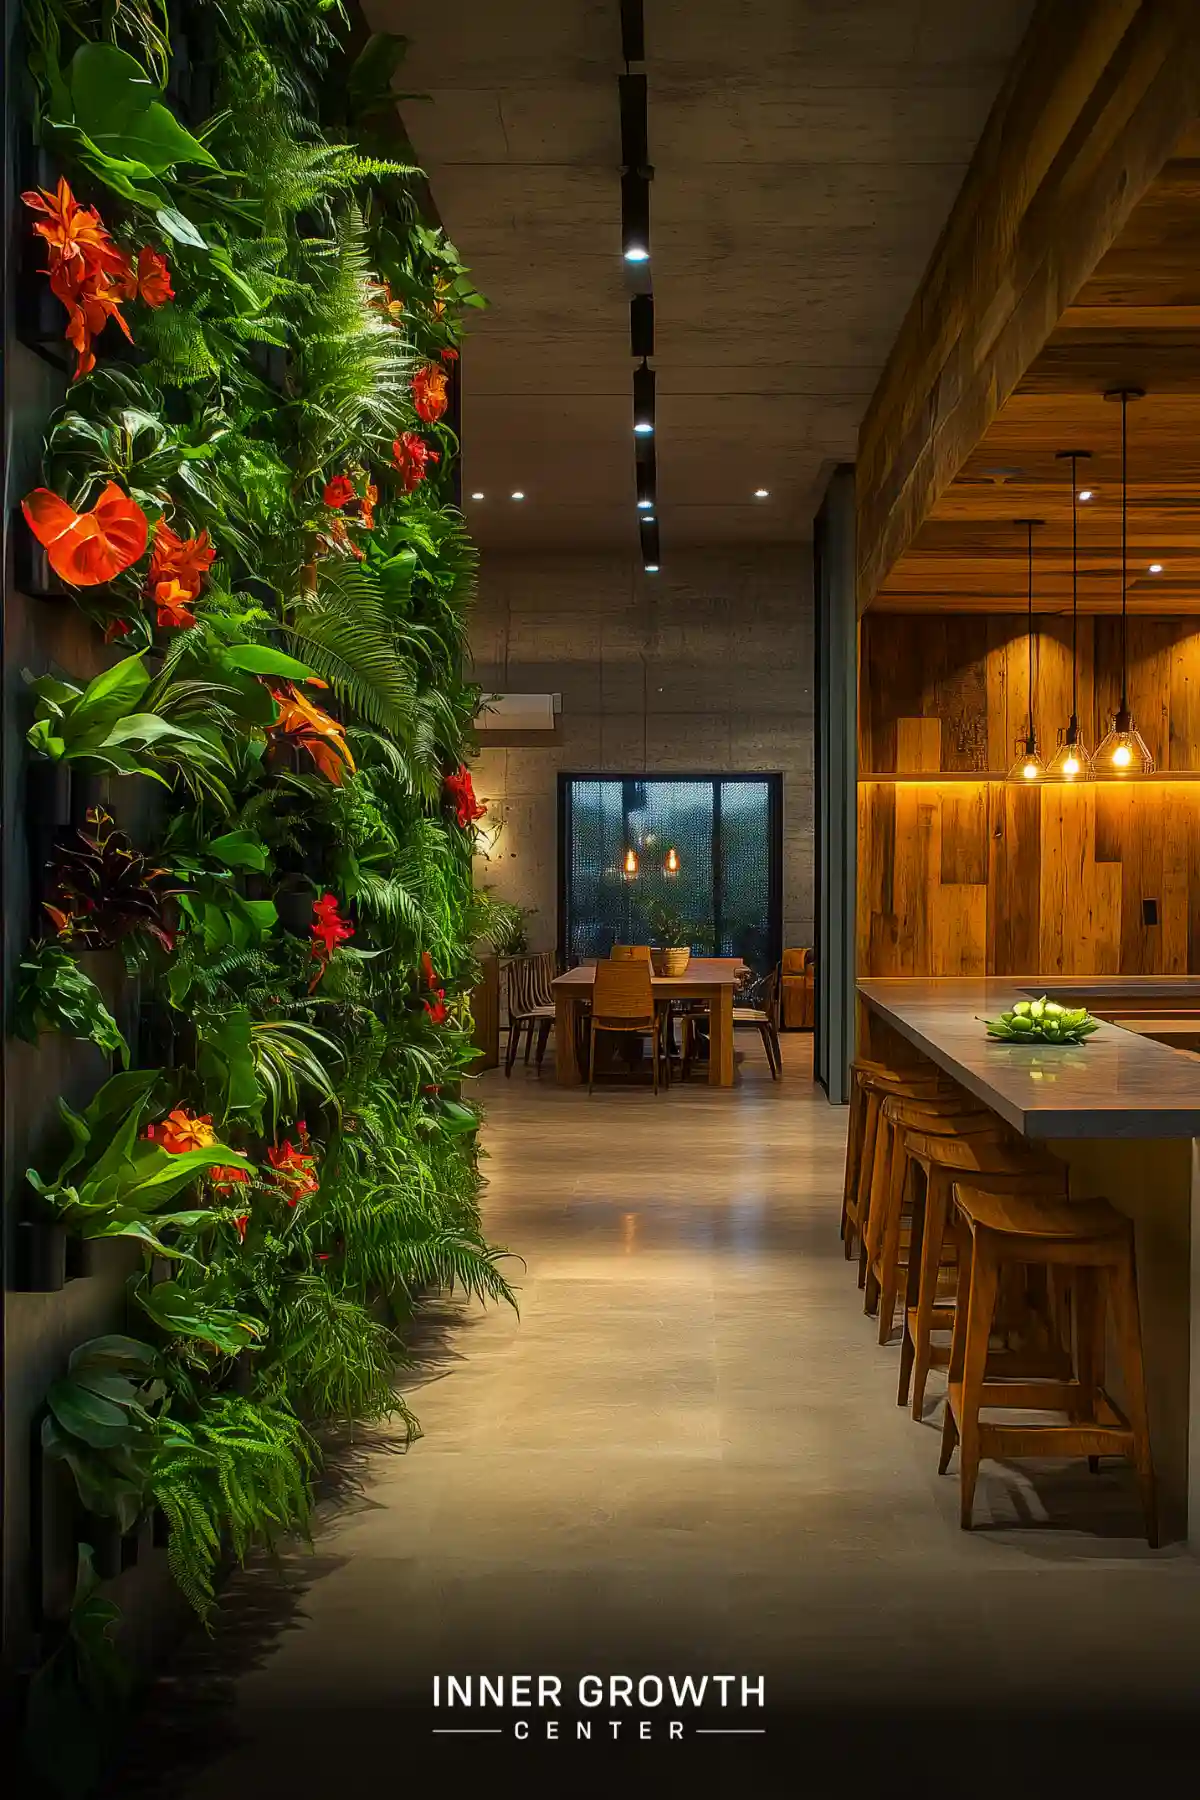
x=530 y=1005
x=623 y=1000
x=763 y=1016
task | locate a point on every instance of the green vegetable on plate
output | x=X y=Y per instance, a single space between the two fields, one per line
x=1043 y=1022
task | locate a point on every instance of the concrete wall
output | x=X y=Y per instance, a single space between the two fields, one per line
x=707 y=666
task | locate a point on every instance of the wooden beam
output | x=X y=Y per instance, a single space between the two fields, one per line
x=1098 y=99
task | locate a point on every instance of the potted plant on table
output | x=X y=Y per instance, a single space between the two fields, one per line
x=671 y=948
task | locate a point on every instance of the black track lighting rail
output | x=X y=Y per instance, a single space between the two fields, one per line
x=636 y=175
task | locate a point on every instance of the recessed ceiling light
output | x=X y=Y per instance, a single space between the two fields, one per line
x=1087 y=494
x=651 y=568
x=637 y=253
x=643 y=428
x=518 y=495
x=648 y=520
x=1156 y=568
x=477 y=496
x=645 y=505
x=762 y=493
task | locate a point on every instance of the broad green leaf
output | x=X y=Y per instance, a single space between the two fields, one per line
x=240 y=850
x=89 y=1416
x=262 y=659
x=179 y=228
x=114 y=103
x=117 y=1352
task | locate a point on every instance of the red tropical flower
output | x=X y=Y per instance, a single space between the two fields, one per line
x=241 y=1223
x=181 y=1131
x=294 y=1168
x=91 y=274
x=153 y=278
x=438 y=1011
x=329 y=930
x=461 y=789
x=429 y=392
x=427 y=970
x=225 y=1179
x=338 y=492
x=86 y=549
x=411 y=454
x=448 y=355
x=116 y=628
x=171 y=599
x=184 y=561
x=303 y=724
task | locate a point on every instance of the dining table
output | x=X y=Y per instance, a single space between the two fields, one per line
x=711 y=979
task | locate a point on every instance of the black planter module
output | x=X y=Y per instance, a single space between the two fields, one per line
x=41 y=1256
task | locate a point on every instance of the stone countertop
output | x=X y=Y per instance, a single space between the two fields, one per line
x=1116 y=1084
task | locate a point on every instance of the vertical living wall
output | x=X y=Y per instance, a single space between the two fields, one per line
x=249 y=818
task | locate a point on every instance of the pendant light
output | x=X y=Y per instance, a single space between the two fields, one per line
x=1124 y=750
x=671 y=865
x=630 y=868
x=1029 y=766
x=1073 y=761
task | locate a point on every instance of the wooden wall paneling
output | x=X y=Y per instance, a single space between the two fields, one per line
x=1014 y=880
x=1179 y=820
x=916 y=871
x=959 y=930
x=1150 y=656
x=965 y=834
x=878 y=937
x=1183 y=723
x=999 y=737
x=918 y=746
x=1193 y=929
x=959 y=692
x=1080 y=899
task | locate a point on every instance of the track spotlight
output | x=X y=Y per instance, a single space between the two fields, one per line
x=643 y=401
x=635 y=218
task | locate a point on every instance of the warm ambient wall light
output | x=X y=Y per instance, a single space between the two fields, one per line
x=631 y=865
x=1029 y=765
x=1124 y=750
x=671 y=865
x=1073 y=761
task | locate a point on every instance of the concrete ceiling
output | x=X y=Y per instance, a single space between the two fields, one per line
x=806 y=153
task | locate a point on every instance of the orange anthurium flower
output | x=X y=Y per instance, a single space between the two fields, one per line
x=171 y=599
x=366 y=513
x=153 y=278
x=86 y=549
x=429 y=392
x=313 y=730
x=181 y=1131
x=184 y=561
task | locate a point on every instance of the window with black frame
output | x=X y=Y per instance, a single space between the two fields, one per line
x=693 y=856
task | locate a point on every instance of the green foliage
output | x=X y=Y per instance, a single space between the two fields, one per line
x=234 y=1474
x=54 y=994
x=322 y=1173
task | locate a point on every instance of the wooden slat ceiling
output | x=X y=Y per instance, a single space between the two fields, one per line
x=1135 y=323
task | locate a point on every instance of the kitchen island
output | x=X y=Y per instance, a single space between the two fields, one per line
x=1122 y=1110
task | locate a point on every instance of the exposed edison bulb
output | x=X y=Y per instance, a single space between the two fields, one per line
x=1031 y=771
x=1071 y=766
x=631 y=862
x=1122 y=756
x=671 y=866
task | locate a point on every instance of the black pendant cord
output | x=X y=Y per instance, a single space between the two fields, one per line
x=1074 y=595
x=1029 y=572
x=1124 y=553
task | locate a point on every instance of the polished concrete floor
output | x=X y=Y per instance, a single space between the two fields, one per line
x=684 y=1456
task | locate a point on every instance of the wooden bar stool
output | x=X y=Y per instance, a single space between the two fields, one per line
x=990 y=1163
x=873 y=1082
x=1093 y=1243
x=948 y=1114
